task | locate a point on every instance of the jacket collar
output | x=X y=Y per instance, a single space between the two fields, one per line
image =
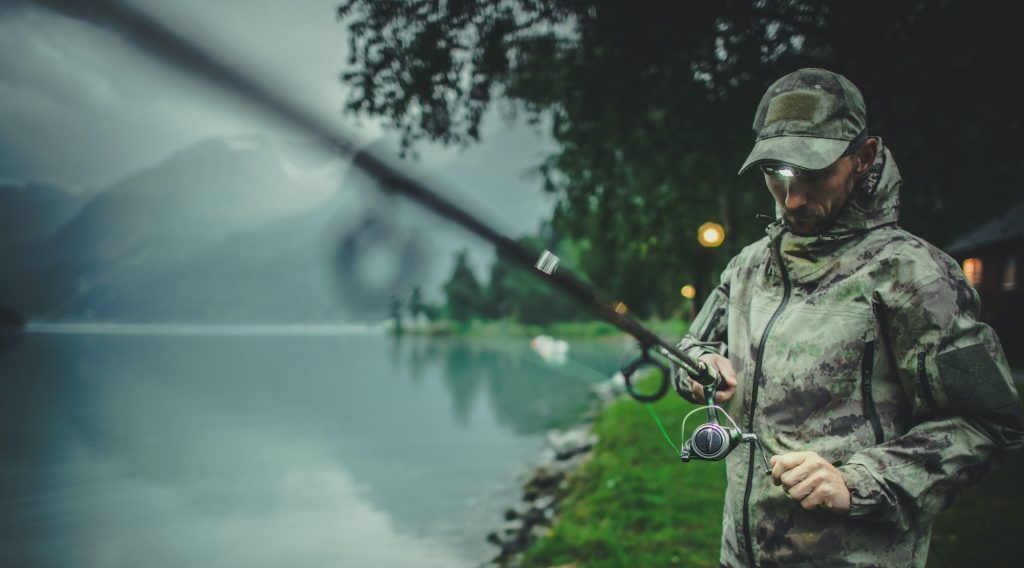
x=873 y=204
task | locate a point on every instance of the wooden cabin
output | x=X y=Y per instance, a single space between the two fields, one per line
x=992 y=258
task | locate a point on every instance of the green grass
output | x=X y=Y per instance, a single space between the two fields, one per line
x=635 y=504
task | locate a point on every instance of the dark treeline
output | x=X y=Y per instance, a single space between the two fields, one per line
x=651 y=105
x=509 y=292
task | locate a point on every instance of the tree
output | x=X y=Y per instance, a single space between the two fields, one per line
x=396 y=315
x=516 y=294
x=464 y=293
x=416 y=306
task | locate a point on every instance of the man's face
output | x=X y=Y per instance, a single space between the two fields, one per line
x=813 y=199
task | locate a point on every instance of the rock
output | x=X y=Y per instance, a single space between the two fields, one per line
x=609 y=390
x=540 y=532
x=533 y=517
x=574 y=463
x=511 y=528
x=547 y=457
x=571 y=442
x=545 y=502
x=543 y=480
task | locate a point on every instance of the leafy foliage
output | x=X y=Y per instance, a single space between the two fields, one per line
x=511 y=293
x=651 y=104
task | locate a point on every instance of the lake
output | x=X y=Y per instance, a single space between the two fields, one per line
x=307 y=446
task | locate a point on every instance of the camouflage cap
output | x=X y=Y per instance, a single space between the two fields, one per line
x=807 y=118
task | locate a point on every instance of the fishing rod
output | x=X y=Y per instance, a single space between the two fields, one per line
x=149 y=35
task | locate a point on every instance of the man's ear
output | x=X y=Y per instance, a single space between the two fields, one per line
x=864 y=157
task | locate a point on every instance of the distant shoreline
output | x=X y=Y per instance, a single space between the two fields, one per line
x=270 y=329
x=672 y=329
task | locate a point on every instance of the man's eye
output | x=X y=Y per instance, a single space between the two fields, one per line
x=777 y=172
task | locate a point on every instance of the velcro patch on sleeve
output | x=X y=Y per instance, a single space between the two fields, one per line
x=975 y=385
x=796 y=105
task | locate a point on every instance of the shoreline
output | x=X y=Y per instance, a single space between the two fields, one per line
x=549 y=481
x=586 y=329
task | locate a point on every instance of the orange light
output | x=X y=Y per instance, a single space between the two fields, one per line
x=972 y=270
x=688 y=292
x=710 y=234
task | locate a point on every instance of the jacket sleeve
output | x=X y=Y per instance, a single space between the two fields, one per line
x=708 y=331
x=966 y=416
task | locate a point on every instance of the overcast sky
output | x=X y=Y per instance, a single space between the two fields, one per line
x=79 y=107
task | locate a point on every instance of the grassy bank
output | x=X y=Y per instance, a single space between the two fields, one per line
x=673 y=328
x=635 y=504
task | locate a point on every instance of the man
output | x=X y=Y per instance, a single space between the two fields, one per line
x=852 y=349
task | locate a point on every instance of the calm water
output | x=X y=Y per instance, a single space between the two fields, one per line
x=186 y=449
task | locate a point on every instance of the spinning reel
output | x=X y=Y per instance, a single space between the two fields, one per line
x=710 y=441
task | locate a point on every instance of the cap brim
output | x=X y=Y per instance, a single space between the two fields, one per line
x=801 y=151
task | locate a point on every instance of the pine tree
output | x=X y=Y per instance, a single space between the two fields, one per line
x=465 y=294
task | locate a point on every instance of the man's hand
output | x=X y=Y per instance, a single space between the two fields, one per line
x=808 y=478
x=726 y=388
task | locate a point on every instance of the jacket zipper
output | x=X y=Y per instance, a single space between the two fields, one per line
x=866 y=370
x=786 y=290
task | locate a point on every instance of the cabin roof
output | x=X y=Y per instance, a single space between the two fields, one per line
x=1009 y=225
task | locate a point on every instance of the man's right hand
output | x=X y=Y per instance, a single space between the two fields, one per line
x=726 y=389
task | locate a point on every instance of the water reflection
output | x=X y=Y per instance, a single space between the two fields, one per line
x=305 y=451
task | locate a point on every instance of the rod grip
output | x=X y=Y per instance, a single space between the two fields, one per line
x=707 y=375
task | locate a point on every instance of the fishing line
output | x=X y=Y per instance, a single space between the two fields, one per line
x=650 y=407
x=654 y=415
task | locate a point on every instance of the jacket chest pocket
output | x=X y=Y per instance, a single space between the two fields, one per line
x=819 y=374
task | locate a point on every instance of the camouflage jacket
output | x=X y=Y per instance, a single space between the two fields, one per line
x=860 y=344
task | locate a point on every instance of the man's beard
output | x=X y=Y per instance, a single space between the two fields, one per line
x=809 y=225
x=805 y=223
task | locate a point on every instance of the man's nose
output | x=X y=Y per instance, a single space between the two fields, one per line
x=795 y=197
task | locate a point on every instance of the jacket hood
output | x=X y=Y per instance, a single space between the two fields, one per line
x=876 y=199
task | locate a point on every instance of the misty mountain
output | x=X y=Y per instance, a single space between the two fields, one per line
x=237 y=230
x=234 y=230
x=35 y=210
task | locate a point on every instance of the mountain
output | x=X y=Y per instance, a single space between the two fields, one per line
x=231 y=230
x=226 y=230
x=34 y=210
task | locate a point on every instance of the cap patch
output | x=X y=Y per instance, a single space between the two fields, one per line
x=796 y=105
